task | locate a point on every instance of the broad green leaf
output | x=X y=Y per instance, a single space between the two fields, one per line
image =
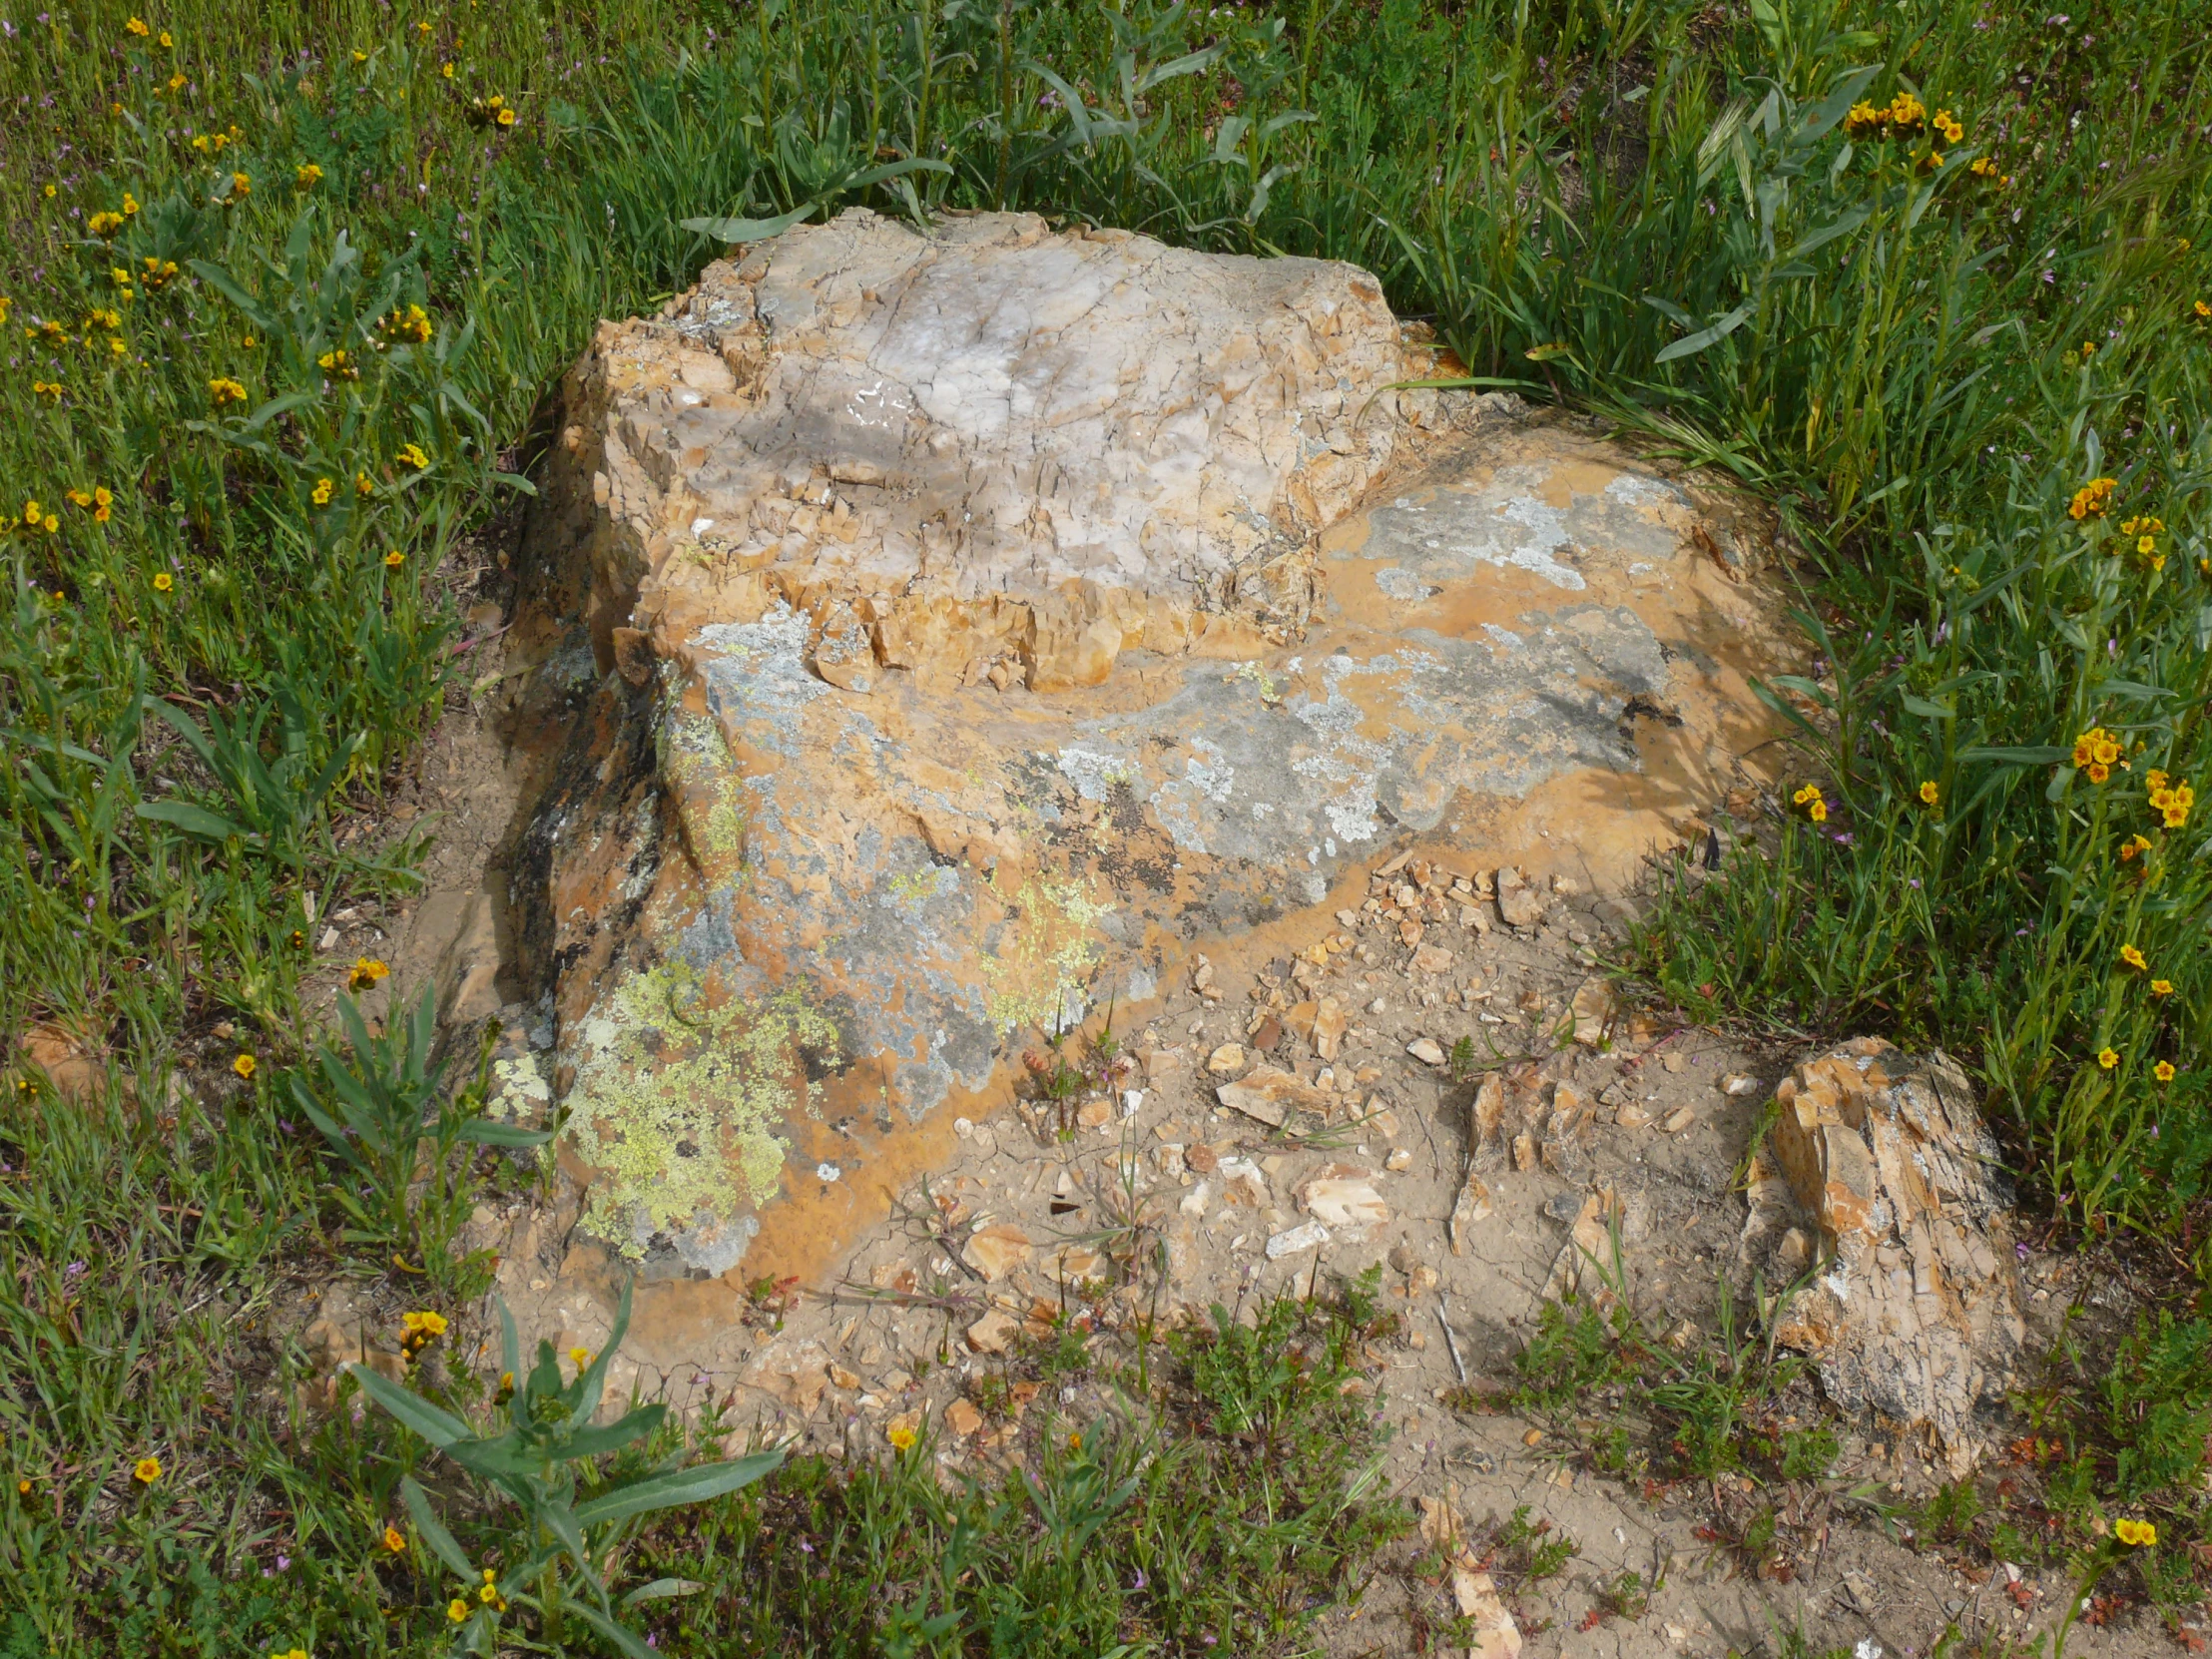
x=192 y=821
x=1698 y=341
x=442 y=1543
x=661 y=1589
x=748 y=229
x=434 y=1424
x=610 y=1436
x=487 y=1133
x=663 y=1491
x=2032 y=754
x=614 y=1633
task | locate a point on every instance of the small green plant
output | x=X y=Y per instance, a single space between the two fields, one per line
x=395 y=1124
x=565 y=1545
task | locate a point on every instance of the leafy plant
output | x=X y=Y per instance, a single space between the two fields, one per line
x=565 y=1545
x=394 y=1124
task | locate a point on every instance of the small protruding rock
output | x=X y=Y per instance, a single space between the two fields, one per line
x=963 y=1419
x=994 y=1252
x=1227 y=1060
x=1341 y=1195
x=1468 y=1210
x=1520 y=903
x=1309 y=1235
x=1270 y=1095
x=995 y=1333
x=1426 y=1050
x=1593 y=1013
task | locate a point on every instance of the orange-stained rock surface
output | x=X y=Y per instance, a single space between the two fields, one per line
x=956 y=632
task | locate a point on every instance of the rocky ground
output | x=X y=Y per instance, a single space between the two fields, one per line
x=1432 y=1086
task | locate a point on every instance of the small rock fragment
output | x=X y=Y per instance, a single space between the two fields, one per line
x=1271 y=1095
x=994 y=1252
x=1739 y=1083
x=1399 y=1159
x=1306 y=1235
x=963 y=1419
x=1468 y=1210
x=1432 y=958
x=1426 y=1051
x=1524 y=1151
x=1227 y=1060
x=1679 y=1119
x=1496 y=1634
x=1343 y=1197
x=995 y=1333
x=1632 y=1116
x=1520 y=903
x=1593 y=1013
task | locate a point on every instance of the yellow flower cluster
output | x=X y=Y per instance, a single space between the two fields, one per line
x=104 y=224
x=420 y=1330
x=322 y=491
x=1903 y=115
x=2092 y=498
x=413 y=455
x=494 y=111
x=2138 y=541
x=368 y=974
x=1948 y=127
x=2135 y=1535
x=221 y=391
x=2169 y=800
x=1812 y=803
x=47 y=389
x=1983 y=168
x=404 y=328
x=339 y=365
x=2096 y=751
x=36 y=517
x=307 y=176
x=99 y=499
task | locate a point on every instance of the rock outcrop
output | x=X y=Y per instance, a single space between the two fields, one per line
x=956 y=629
x=1915 y=1306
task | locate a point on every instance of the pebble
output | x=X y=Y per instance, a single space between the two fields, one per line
x=1226 y=1060
x=1308 y=1236
x=1426 y=1050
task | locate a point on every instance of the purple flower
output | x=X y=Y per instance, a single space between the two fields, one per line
x=1140 y=1582
x=1913 y=881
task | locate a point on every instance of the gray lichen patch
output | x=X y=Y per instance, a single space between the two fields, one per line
x=679 y=1100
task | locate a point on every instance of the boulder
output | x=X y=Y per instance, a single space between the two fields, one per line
x=945 y=633
x=1916 y=1308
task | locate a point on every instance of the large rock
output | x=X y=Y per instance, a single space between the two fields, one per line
x=1915 y=1309
x=951 y=631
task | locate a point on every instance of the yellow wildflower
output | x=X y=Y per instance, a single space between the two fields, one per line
x=2163 y=1071
x=163 y=581
x=901 y=1438
x=582 y=1356
x=222 y=391
x=2161 y=987
x=395 y=559
x=456 y=1610
x=412 y=454
x=322 y=491
x=2092 y=498
x=147 y=1471
x=167 y=44
x=2108 y=1058
x=393 y=1540
x=136 y=26
x=245 y=1066
x=2135 y=1535
x=307 y=176
x=2132 y=955
x=367 y=973
x=104 y=224
x=1930 y=793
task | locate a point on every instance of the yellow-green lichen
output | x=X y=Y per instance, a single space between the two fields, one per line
x=695 y=759
x=677 y=1103
x=1047 y=950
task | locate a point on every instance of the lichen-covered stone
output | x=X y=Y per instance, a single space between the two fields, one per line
x=954 y=631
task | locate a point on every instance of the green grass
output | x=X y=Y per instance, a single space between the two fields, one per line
x=1575 y=192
